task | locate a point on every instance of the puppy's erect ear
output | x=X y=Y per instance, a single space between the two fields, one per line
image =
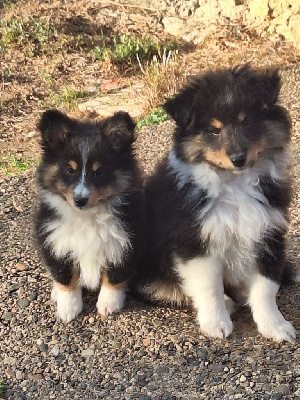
x=264 y=84
x=119 y=130
x=180 y=107
x=268 y=85
x=54 y=127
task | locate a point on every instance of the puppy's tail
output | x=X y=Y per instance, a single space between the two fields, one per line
x=160 y=293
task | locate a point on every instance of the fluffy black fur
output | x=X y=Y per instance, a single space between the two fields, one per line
x=87 y=169
x=229 y=130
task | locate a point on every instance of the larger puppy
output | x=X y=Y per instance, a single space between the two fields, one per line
x=217 y=206
x=87 y=222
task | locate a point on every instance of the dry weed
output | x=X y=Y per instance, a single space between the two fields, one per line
x=162 y=77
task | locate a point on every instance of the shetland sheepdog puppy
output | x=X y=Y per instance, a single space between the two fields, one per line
x=87 y=219
x=217 y=207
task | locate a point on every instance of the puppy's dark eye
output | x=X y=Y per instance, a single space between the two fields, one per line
x=96 y=168
x=70 y=170
x=72 y=167
x=213 y=130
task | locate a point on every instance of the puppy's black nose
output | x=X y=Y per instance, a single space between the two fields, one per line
x=238 y=160
x=80 y=201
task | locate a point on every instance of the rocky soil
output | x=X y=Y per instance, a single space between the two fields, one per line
x=143 y=352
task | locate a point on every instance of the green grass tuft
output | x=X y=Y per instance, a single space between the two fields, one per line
x=69 y=98
x=33 y=34
x=131 y=49
x=11 y=166
x=155 y=117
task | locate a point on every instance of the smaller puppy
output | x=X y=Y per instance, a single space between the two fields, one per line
x=217 y=206
x=87 y=221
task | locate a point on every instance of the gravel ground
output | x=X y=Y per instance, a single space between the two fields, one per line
x=143 y=352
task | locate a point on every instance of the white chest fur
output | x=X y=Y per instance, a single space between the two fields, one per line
x=237 y=215
x=92 y=238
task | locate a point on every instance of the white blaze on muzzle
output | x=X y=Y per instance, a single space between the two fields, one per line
x=81 y=190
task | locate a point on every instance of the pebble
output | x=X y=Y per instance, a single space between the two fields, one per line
x=33 y=296
x=43 y=347
x=21 y=267
x=147 y=342
x=10 y=361
x=276 y=396
x=88 y=352
x=284 y=389
x=14 y=287
x=19 y=375
x=55 y=351
x=216 y=368
x=7 y=315
x=23 y=303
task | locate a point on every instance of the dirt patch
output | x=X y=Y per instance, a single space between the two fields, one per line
x=49 y=58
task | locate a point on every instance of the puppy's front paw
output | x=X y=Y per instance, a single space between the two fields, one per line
x=69 y=303
x=216 y=328
x=277 y=330
x=110 y=300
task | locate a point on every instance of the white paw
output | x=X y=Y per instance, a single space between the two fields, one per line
x=279 y=330
x=230 y=304
x=216 y=328
x=110 y=300
x=69 y=303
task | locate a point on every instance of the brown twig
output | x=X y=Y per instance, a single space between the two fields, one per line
x=115 y=3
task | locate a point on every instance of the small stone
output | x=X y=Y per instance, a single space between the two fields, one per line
x=276 y=396
x=10 y=374
x=14 y=287
x=284 y=389
x=7 y=315
x=146 y=342
x=55 y=351
x=23 y=303
x=35 y=377
x=202 y=354
x=140 y=375
x=10 y=361
x=43 y=347
x=32 y=134
x=87 y=352
x=216 y=368
x=33 y=296
x=21 y=267
x=19 y=375
x=162 y=370
x=243 y=378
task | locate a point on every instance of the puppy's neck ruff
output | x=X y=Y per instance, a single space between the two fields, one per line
x=236 y=216
x=93 y=238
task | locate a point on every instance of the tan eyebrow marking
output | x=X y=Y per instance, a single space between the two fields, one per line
x=73 y=165
x=216 y=123
x=95 y=166
x=241 y=116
